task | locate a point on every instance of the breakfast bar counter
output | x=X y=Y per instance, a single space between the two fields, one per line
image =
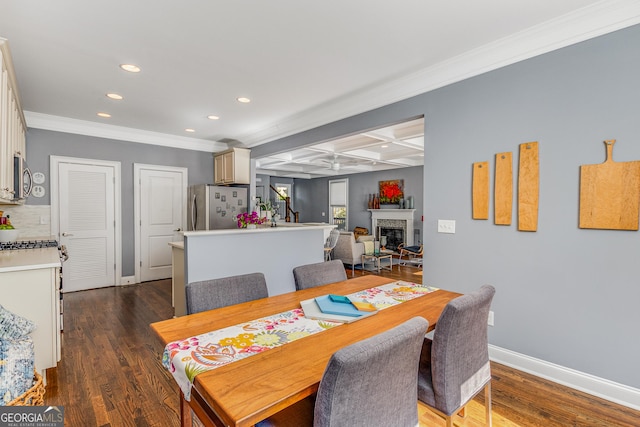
x=273 y=251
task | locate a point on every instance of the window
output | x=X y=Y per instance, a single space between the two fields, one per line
x=339 y=202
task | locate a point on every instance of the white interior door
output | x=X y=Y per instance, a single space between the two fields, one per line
x=87 y=224
x=162 y=200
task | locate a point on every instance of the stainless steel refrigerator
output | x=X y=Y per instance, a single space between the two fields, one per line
x=213 y=207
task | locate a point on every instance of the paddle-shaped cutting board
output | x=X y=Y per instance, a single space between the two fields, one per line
x=528 y=187
x=480 y=192
x=503 y=189
x=610 y=193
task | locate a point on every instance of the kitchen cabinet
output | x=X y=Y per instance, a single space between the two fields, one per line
x=29 y=287
x=178 y=296
x=232 y=166
x=12 y=125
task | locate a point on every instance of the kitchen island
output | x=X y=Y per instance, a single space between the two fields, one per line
x=273 y=251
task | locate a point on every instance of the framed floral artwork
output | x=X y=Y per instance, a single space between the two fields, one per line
x=391 y=191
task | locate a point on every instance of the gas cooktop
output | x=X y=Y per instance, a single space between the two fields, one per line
x=28 y=244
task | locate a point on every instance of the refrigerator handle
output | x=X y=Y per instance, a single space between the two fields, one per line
x=194 y=212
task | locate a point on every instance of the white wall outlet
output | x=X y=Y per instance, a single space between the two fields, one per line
x=490 y=321
x=44 y=220
x=447 y=226
x=322 y=213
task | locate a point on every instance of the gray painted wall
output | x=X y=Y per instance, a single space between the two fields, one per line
x=312 y=195
x=41 y=144
x=565 y=295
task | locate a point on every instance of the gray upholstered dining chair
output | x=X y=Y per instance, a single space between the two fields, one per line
x=216 y=293
x=454 y=366
x=372 y=383
x=321 y=273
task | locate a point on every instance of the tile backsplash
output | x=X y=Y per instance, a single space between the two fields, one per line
x=29 y=219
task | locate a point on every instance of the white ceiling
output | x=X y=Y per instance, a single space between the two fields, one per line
x=391 y=147
x=302 y=63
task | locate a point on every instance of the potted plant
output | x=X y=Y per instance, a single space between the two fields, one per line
x=266 y=210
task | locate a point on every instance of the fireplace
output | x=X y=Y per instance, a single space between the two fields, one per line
x=395 y=224
x=394 y=236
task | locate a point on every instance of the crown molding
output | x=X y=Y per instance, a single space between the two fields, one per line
x=584 y=24
x=121 y=133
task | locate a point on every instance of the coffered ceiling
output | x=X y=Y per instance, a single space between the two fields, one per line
x=391 y=147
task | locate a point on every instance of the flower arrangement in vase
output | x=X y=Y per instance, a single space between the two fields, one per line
x=246 y=219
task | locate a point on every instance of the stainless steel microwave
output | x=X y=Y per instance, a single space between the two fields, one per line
x=22 y=182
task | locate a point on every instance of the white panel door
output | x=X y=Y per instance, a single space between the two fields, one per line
x=87 y=225
x=162 y=209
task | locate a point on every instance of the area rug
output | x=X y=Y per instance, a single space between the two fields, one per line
x=371 y=266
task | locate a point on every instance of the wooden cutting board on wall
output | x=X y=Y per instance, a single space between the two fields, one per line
x=503 y=189
x=610 y=193
x=480 y=192
x=528 y=187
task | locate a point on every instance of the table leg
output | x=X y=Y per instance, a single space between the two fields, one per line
x=185 y=412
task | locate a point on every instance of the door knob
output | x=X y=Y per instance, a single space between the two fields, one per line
x=67 y=234
x=179 y=229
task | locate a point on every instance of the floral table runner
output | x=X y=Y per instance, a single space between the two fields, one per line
x=191 y=356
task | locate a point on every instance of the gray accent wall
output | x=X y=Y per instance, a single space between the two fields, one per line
x=43 y=143
x=312 y=195
x=565 y=295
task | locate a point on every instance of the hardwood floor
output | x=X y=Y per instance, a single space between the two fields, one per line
x=111 y=372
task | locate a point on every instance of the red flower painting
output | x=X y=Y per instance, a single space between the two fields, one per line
x=391 y=191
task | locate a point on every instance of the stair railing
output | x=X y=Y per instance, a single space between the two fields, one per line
x=287 y=203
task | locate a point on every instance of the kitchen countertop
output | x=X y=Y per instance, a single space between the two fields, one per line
x=29 y=259
x=279 y=228
x=177 y=245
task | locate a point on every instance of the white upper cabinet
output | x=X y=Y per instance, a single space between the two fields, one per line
x=12 y=126
x=232 y=166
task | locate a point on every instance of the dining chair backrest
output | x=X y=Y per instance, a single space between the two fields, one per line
x=333 y=238
x=216 y=293
x=373 y=382
x=321 y=273
x=459 y=366
x=331 y=242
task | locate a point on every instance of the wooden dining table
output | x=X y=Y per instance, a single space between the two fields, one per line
x=247 y=391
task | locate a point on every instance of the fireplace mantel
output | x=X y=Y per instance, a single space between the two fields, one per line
x=405 y=215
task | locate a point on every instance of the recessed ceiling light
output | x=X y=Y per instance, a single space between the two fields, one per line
x=212 y=117
x=189 y=130
x=244 y=100
x=130 y=68
x=105 y=115
x=384 y=146
x=115 y=96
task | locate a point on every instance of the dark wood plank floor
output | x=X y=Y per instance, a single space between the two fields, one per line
x=111 y=372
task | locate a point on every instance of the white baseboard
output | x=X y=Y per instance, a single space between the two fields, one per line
x=600 y=387
x=128 y=280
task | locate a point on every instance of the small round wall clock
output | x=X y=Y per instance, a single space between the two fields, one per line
x=38 y=178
